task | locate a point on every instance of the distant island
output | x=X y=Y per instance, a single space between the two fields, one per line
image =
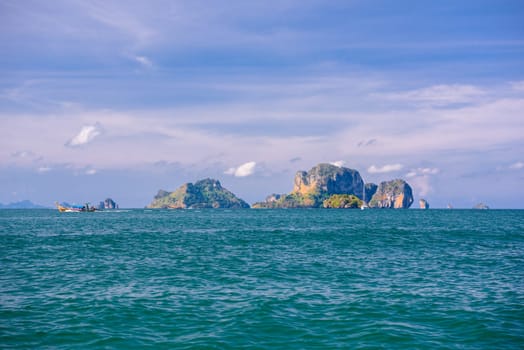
x=207 y=193
x=323 y=186
x=331 y=186
x=107 y=204
x=25 y=204
x=481 y=206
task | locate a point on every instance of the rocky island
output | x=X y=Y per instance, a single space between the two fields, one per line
x=312 y=188
x=330 y=186
x=394 y=194
x=207 y=193
x=107 y=204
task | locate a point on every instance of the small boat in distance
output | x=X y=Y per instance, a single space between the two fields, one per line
x=74 y=208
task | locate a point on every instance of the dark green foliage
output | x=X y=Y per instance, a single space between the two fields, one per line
x=293 y=200
x=207 y=193
x=343 y=201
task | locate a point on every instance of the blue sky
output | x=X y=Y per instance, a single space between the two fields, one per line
x=121 y=98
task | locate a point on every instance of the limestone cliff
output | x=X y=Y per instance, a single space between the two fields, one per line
x=392 y=194
x=423 y=204
x=313 y=187
x=328 y=179
x=369 y=190
x=207 y=193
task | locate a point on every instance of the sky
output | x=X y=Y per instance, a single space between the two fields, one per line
x=122 y=98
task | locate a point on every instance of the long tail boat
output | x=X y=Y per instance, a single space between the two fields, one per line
x=75 y=208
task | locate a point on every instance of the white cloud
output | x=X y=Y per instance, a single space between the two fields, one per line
x=421 y=185
x=43 y=169
x=144 y=61
x=91 y=172
x=339 y=163
x=245 y=169
x=420 y=179
x=385 y=169
x=422 y=172
x=86 y=135
x=438 y=95
x=517 y=165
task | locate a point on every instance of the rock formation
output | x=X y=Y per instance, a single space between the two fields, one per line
x=207 y=193
x=423 y=204
x=328 y=179
x=313 y=187
x=369 y=190
x=392 y=194
x=108 y=204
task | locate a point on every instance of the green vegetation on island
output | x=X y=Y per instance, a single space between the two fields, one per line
x=343 y=201
x=312 y=188
x=330 y=186
x=394 y=194
x=207 y=193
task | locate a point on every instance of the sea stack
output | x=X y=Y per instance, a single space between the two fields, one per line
x=108 y=204
x=396 y=194
x=423 y=204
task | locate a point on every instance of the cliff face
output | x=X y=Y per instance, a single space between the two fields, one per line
x=423 y=204
x=327 y=179
x=207 y=193
x=313 y=187
x=395 y=194
x=370 y=189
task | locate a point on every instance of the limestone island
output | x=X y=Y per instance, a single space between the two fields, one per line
x=330 y=186
x=207 y=193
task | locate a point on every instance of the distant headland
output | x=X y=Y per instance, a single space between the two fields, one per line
x=25 y=204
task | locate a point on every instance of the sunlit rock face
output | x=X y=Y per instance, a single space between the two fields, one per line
x=396 y=194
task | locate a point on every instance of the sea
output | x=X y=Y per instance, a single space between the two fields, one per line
x=262 y=279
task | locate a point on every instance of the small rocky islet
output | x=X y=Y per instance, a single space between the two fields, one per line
x=323 y=186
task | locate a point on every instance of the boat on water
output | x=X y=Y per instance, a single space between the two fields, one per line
x=75 y=208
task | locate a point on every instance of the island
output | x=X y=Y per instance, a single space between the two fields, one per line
x=25 y=204
x=330 y=186
x=206 y=193
x=107 y=204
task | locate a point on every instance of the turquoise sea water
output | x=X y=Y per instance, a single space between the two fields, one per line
x=262 y=279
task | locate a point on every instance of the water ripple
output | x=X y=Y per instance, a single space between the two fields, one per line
x=262 y=279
